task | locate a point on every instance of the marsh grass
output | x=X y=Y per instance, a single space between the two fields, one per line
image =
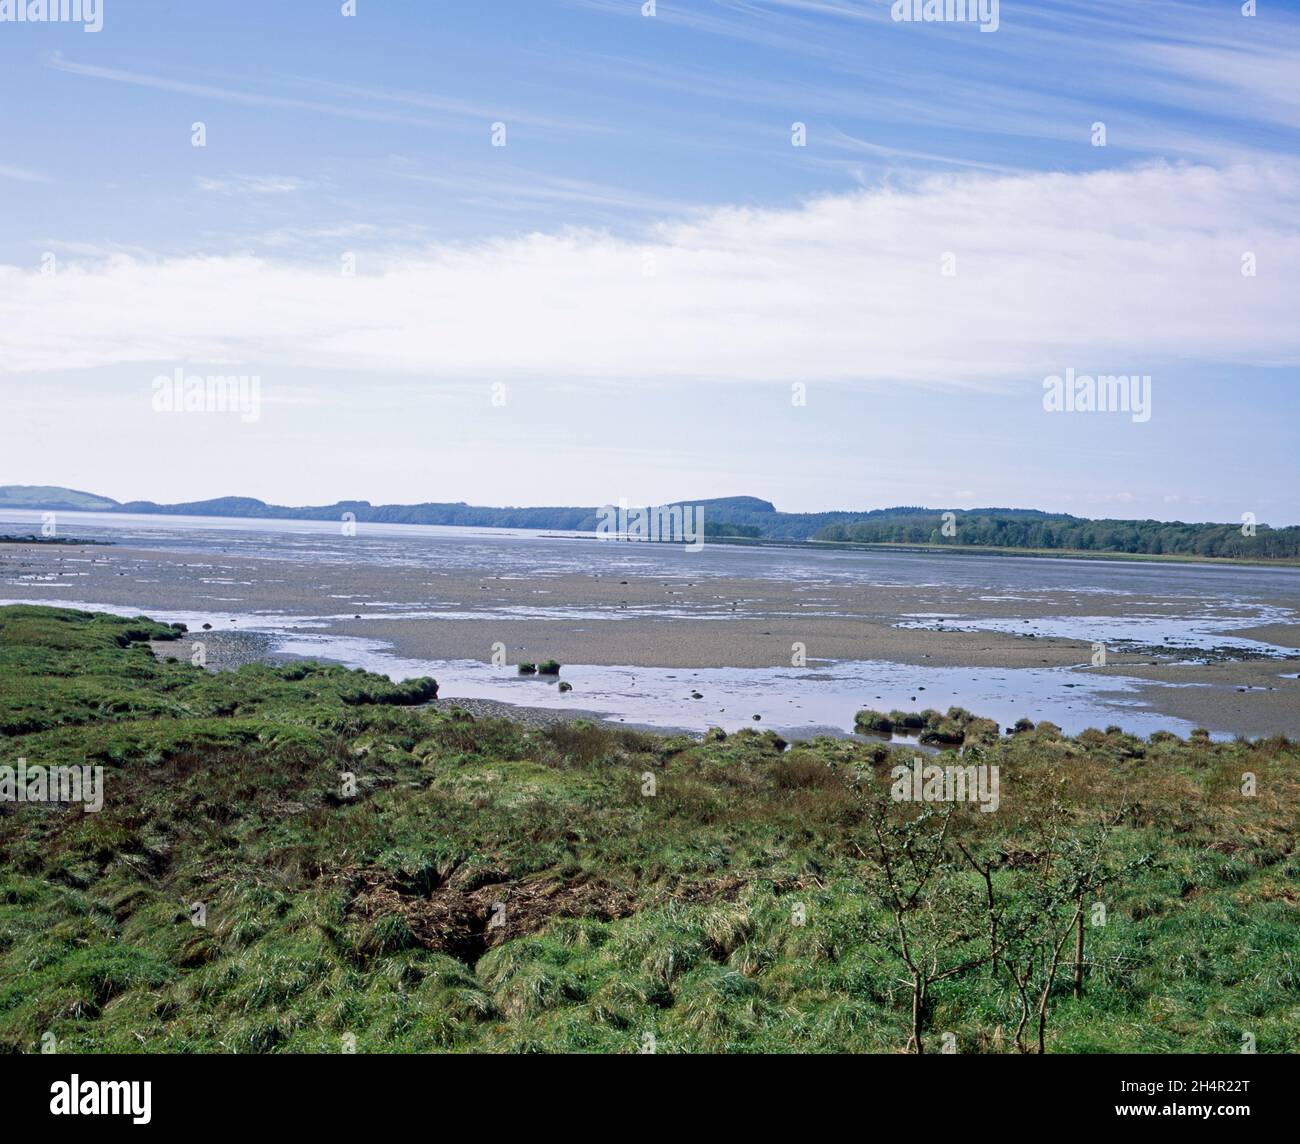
x=730 y=910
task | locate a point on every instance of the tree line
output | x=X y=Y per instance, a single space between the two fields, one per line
x=1068 y=533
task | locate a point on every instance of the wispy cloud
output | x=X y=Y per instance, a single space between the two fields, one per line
x=445 y=106
x=845 y=142
x=292 y=236
x=514 y=188
x=251 y=184
x=349 y=104
x=22 y=174
x=1177 y=79
x=227 y=94
x=1258 y=82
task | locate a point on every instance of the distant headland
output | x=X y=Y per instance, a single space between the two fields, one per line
x=751 y=518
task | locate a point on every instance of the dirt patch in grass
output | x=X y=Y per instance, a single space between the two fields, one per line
x=466 y=924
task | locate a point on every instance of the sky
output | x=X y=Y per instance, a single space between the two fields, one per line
x=574 y=251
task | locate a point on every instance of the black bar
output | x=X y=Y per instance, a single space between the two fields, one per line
x=339 y=1092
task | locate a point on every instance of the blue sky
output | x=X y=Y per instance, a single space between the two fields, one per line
x=649 y=264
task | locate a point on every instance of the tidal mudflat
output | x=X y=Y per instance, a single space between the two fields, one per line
x=800 y=638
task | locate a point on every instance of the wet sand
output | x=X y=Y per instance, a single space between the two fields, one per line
x=1284 y=635
x=1255 y=698
x=639 y=621
x=655 y=621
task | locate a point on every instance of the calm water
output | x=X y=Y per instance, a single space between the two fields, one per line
x=1188 y=607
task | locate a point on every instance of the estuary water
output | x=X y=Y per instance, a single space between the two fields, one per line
x=1191 y=613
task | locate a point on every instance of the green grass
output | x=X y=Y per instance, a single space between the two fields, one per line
x=497 y=888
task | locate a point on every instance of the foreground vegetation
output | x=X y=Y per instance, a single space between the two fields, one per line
x=367 y=870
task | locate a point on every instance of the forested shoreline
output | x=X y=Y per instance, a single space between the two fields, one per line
x=1066 y=533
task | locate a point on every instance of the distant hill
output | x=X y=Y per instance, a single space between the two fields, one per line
x=53 y=497
x=746 y=514
x=731 y=510
x=754 y=518
x=576 y=519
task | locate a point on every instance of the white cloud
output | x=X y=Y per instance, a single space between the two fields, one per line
x=1107 y=272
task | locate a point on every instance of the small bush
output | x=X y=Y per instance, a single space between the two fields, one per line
x=873 y=721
